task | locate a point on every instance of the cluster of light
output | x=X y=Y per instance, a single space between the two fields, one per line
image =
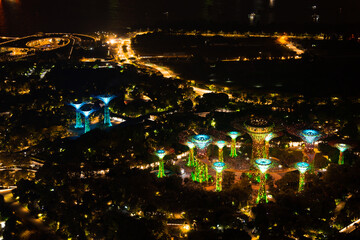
x=263 y=164
x=302 y=167
x=105 y=99
x=269 y=137
x=234 y=134
x=219 y=166
x=220 y=144
x=201 y=141
x=342 y=147
x=160 y=153
x=191 y=145
x=310 y=135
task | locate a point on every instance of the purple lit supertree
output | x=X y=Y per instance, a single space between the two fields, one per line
x=258 y=129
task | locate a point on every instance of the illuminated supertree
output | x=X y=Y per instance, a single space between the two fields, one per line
x=191 y=161
x=201 y=142
x=106 y=100
x=87 y=122
x=161 y=154
x=342 y=148
x=233 y=135
x=258 y=129
x=302 y=167
x=263 y=165
x=77 y=107
x=219 y=167
x=221 y=145
x=310 y=136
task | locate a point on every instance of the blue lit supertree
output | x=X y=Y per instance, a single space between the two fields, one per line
x=77 y=107
x=87 y=122
x=310 y=136
x=263 y=165
x=106 y=100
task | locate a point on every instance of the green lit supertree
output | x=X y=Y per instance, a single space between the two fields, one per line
x=221 y=145
x=263 y=165
x=219 y=167
x=302 y=167
x=201 y=142
x=161 y=154
x=233 y=135
x=258 y=129
x=191 y=160
x=342 y=148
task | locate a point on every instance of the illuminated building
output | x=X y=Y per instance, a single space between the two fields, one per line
x=233 y=136
x=302 y=167
x=106 y=100
x=263 y=165
x=77 y=107
x=219 y=167
x=221 y=145
x=161 y=154
x=201 y=142
x=310 y=136
x=342 y=148
x=191 y=160
x=87 y=122
x=258 y=129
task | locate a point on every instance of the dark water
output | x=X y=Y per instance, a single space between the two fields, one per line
x=20 y=17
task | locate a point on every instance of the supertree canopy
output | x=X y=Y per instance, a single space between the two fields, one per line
x=302 y=167
x=258 y=129
x=233 y=135
x=201 y=142
x=342 y=148
x=106 y=100
x=161 y=154
x=219 y=167
x=221 y=145
x=191 y=161
x=77 y=106
x=310 y=136
x=87 y=122
x=263 y=165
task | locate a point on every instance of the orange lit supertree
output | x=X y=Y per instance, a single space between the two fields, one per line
x=258 y=129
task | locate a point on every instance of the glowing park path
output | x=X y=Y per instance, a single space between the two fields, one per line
x=351 y=227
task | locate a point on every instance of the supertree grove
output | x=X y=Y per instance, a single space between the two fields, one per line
x=233 y=135
x=221 y=145
x=263 y=165
x=161 y=154
x=258 y=129
x=87 y=121
x=77 y=107
x=219 y=167
x=302 y=167
x=106 y=100
x=342 y=148
x=201 y=142
x=191 y=160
